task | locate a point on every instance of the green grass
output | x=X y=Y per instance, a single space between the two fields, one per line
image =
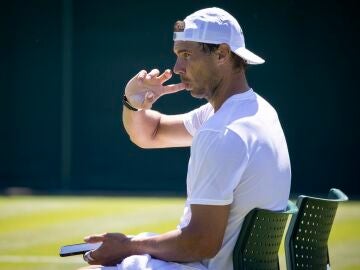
x=32 y=228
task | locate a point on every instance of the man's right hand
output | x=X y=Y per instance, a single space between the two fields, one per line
x=145 y=88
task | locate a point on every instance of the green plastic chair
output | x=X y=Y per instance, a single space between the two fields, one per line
x=306 y=241
x=259 y=240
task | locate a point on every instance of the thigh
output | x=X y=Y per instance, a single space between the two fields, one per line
x=98 y=267
x=145 y=262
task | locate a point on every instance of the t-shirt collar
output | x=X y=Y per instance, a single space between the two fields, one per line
x=249 y=94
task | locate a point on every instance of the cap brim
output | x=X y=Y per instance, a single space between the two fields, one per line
x=250 y=57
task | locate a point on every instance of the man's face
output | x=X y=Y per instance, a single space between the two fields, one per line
x=197 y=69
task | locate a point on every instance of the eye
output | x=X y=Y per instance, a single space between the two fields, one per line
x=185 y=55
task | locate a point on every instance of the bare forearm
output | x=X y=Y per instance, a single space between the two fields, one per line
x=151 y=129
x=141 y=125
x=148 y=128
x=196 y=242
x=177 y=245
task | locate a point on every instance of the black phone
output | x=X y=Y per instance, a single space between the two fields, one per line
x=77 y=249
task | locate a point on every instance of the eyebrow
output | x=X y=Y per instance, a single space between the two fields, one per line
x=181 y=51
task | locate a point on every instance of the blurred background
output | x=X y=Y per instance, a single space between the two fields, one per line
x=64 y=65
x=63 y=68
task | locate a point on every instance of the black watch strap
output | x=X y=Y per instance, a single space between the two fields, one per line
x=128 y=105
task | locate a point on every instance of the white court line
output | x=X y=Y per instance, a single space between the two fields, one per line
x=40 y=259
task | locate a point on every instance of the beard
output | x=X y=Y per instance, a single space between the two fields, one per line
x=206 y=89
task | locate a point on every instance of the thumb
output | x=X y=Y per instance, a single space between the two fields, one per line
x=148 y=100
x=94 y=238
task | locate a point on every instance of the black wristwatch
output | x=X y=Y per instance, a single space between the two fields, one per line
x=128 y=105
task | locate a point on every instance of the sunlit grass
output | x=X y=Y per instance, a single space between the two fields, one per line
x=33 y=228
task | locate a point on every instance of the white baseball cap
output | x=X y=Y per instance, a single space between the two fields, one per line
x=216 y=26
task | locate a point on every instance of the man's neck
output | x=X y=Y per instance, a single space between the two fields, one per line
x=231 y=84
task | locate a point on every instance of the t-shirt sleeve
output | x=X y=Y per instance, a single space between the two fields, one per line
x=194 y=119
x=215 y=167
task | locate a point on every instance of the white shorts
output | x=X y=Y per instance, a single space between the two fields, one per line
x=145 y=262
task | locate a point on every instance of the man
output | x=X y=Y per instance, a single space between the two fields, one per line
x=239 y=158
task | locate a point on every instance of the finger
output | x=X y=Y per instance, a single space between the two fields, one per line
x=141 y=75
x=153 y=73
x=88 y=257
x=94 y=238
x=97 y=256
x=92 y=258
x=172 y=88
x=166 y=75
x=148 y=100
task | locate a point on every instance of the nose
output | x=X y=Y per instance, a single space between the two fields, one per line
x=179 y=67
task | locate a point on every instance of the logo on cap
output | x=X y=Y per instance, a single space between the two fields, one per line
x=179 y=26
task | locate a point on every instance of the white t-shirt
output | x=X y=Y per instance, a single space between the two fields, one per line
x=238 y=156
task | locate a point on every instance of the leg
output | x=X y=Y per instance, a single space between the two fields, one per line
x=98 y=267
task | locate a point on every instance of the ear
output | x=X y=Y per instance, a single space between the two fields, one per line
x=223 y=53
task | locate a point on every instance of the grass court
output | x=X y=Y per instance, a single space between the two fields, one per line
x=32 y=228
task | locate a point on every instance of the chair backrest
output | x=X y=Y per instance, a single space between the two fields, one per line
x=308 y=232
x=259 y=240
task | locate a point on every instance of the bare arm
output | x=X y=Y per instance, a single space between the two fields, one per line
x=148 y=128
x=201 y=239
x=151 y=129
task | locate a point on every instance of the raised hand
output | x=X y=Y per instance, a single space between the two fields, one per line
x=145 y=88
